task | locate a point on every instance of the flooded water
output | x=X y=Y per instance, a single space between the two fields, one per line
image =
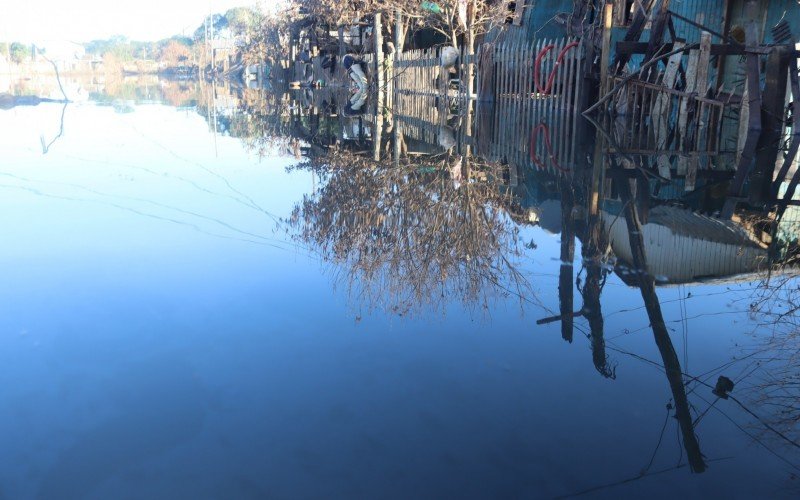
x=190 y=311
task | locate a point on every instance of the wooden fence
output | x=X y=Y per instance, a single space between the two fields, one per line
x=533 y=90
x=416 y=105
x=528 y=93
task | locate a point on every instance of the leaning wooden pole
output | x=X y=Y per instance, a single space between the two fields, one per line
x=669 y=357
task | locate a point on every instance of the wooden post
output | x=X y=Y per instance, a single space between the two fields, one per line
x=377 y=35
x=399 y=33
x=772 y=108
x=598 y=163
x=701 y=83
x=683 y=112
x=753 y=122
x=468 y=73
x=606 y=47
x=566 y=274
x=486 y=90
x=657 y=32
x=619 y=12
x=342 y=51
x=519 y=9
x=633 y=35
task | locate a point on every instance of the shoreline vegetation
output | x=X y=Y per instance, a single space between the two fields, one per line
x=228 y=43
x=216 y=39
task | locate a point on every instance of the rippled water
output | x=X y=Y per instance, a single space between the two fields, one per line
x=165 y=334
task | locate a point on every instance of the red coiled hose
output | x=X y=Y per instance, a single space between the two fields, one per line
x=542 y=127
x=537 y=65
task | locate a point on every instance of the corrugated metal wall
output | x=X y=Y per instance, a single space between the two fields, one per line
x=712 y=12
x=539 y=21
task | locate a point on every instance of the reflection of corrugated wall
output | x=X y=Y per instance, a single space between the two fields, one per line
x=682 y=246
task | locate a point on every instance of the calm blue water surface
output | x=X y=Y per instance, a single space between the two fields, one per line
x=163 y=336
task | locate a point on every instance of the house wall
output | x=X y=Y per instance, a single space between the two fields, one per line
x=783 y=9
x=673 y=257
x=712 y=11
x=537 y=22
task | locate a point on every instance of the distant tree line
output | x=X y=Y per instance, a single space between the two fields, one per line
x=16 y=51
x=123 y=49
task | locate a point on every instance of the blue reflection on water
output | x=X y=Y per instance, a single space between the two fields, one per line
x=162 y=337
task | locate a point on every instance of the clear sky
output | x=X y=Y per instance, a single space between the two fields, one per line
x=84 y=20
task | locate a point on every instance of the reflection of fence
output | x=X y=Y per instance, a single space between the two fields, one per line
x=417 y=72
x=416 y=94
x=425 y=92
x=529 y=93
x=535 y=89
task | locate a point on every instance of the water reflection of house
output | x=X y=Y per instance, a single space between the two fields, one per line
x=683 y=246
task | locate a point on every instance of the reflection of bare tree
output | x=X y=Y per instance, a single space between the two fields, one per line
x=47 y=145
x=263 y=122
x=409 y=236
x=774 y=385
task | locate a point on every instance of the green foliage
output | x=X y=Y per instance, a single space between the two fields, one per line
x=19 y=52
x=242 y=20
x=125 y=50
x=239 y=20
x=218 y=22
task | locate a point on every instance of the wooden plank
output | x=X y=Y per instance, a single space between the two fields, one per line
x=691 y=174
x=496 y=118
x=549 y=120
x=661 y=107
x=579 y=83
x=620 y=12
x=776 y=77
x=519 y=9
x=712 y=101
x=379 y=72
x=538 y=104
x=754 y=124
x=568 y=111
x=640 y=122
x=664 y=166
x=605 y=52
x=717 y=49
x=657 y=30
x=633 y=35
x=559 y=91
x=691 y=81
x=701 y=87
